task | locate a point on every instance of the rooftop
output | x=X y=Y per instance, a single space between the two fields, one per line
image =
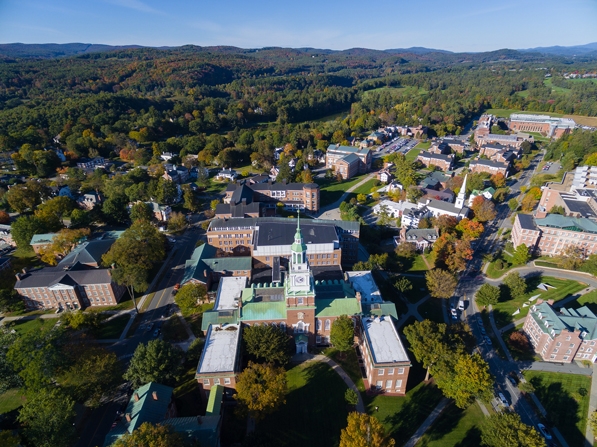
x=347 y=149
x=221 y=349
x=234 y=224
x=580 y=224
x=282 y=233
x=383 y=340
x=363 y=282
x=350 y=158
x=230 y=290
x=526 y=222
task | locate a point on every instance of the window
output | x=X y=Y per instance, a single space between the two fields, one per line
x=327 y=325
x=388 y=384
x=565 y=357
x=552 y=357
x=571 y=345
x=379 y=384
x=205 y=381
x=216 y=381
x=380 y=372
x=227 y=381
x=318 y=339
x=300 y=301
x=318 y=325
x=390 y=371
x=400 y=370
x=398 y=383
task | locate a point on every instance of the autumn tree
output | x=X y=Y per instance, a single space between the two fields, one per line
x=261 y=389
x=141 y=211
x=364 y=430
x=156 y=361
x=469 y=228
x=521 y=255
x=571 y=257
x=342 y=333
x=441 y=283
x=484 y=209
x=268 y=343
x=507 y=430
x=513 y=204
x=4 y=218
x=63 y=243
x=177 y=222
x=528 y=203
x=427 y=340
x=189 y=297
x=150 y=435
x=452 y=252
x=487 y=295
x=406 y=250
x=498 y=180
x=444 y=223
x=519 y=341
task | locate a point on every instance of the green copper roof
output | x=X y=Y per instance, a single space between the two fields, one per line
x=379 y=309
x=204 y=259
x=218 y=317
x=579 y=224
x=214 y=403
x=336 y=307
x=264 y=311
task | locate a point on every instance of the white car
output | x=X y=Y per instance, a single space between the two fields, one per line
x=454 y=314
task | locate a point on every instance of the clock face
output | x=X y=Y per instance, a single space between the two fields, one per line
x=300 y=279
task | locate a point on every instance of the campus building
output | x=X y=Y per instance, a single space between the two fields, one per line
x=342 y=160
x=544 y=124
x=562 y=335
x=489 y=166
x=443 y=162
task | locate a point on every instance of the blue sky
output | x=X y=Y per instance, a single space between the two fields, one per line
x=457 y=25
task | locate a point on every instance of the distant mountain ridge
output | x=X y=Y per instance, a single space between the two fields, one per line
x=54 y=50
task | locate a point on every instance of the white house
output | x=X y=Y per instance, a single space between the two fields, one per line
x=227 y=174
x=394 y=209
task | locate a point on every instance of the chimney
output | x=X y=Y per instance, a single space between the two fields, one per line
x=358 y=296
x=128 y=417
x=24 y=271
x=136 y=396
x=18 y=276
x=154 y=395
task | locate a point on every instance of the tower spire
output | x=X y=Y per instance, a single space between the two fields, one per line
x=461 y=194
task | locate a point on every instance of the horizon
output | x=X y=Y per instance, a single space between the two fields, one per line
x=331 y=25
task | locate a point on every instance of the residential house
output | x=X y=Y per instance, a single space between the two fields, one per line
x=90 y=164
x=176 y=174
x=487 y=193
x=161 y=212
x=421 y=238
x=393 y=209
x=89 y=200
x=385 y=176
x=413 y=216
x=227 y=174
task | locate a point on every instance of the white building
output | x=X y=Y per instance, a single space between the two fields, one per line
x=227 y=174
x=394 y=209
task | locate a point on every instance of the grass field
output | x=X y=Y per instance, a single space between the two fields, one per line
x=331 y=190
x=409 y=90
x=566 y=399
x=38 y=324
x=315 y=411
x=11 y=400
x=412 y=154
x=401 y=416
x=113 y=328
x=419 y=289
x=455 y=427
x=187 y=394
x=555 y=88
x=366 y=187
x=423 y=145
x=418 y=265
x=588 y=299
x=349 y=363
x=563 y=287
x=492 y=270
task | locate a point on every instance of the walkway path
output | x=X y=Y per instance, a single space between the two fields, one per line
x=425 y=425
x=305 y=358
x=589 y=435
x=331 y=211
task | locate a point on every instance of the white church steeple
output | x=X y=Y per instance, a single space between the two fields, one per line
x=461 y=195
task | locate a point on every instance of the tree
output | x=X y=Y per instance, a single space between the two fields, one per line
x=469 y=228
x=519 y=341
x=507 y=430
x=521 y=255
x=189 y=297
x=268 y=343
x=23 y=229
x=56 y=208
x=484 y=209
x=441 y=283
x=10 y=301
x=499 y=196
x=27 y=196
x=452 y=252
x=403 y=284
x=141 y=211
x=8 y=439
x=4 y=218
x=571 y=257
x=466 y=380
x=81 y=320
x=444 y=223
x=63 y=243
x=364 y=431
x=342 y=333
x=213 y=204
x=528 y=202
x=513 y=204
x=190 y=199
x=406 y=250
x=156 y=361
x=115 y=211
x=516 y=285
x=488 y=295
x=95 y=371
x=351 y=397
x=261 y=389
x=8 y=376
x=361 y=198
x=177 y=222
x=150 y=435
x=498 y=180
x=47 y=418
x=427 y=340
x=413 y=194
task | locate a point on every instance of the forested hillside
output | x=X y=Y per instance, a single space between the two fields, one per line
x=233 y=106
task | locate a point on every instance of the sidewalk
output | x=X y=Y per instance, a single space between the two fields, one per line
x=336 y=204
x=498 y=335
x=425 y=425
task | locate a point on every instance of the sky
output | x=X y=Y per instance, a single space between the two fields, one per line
x=454 y=25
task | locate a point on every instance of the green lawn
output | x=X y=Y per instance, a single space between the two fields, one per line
x=455 y=427
x=349 y=363
x=331 y=190
x=11 y=400
x=25 y=327
x=423 y=145
x=492 y=270
x=419 y=289
x=412 y=154
x=555 y=88
x=113 y=328
x=563 y=287
x=315 y=411
x=566 y=399
x=418 y=265
x=401 y=416
x=366 y=187
x=588 y=299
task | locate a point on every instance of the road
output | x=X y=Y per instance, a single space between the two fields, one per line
x=100 y=420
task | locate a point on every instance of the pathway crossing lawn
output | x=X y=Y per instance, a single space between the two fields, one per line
x=366 y=187
x=331 y=190
x=11 y=400
x=419 y=289
x=418 y=264
x=455 y=427
x=566 y=399
x=401 y=416
x=113 y=328
x=412 y=154
x=349 y=363
x=315 y=411
x=563 y=287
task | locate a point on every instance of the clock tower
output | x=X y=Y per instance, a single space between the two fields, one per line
x=299 y=275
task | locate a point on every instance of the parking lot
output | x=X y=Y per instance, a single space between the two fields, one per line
x=398 y=144
x=551 y=168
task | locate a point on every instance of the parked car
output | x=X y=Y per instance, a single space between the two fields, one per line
x=488 y=340
x=156 y=332
x=512 y=381
x=175 y=288
x=454 y=314
x=544 y=431
x=503 y=400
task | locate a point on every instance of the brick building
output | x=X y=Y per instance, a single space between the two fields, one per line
x=543 y=124
x=206 y=267
x=561 y=336
x=444 y=162
x=249 y=198
x=336 y=152
x=76 y=282
x=489 y=166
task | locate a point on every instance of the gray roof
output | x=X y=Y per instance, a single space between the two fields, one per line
x=417 y=233
x=350 y=158
x=526 y=222
x=89 y=252
x=223 y=224
x=494 y=164
x=238 y=210
x=282 y=233
x=446 y=206
x=54 y=275
x=577 y=206
x=431 y=155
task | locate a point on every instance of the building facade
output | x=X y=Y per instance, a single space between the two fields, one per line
x=337 y=152
x=443 y=162
x=301 y=196
x=543 y=124
x=489 y=166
